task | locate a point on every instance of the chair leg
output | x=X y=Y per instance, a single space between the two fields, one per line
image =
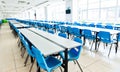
x=91 y=45
x=110 y=50
x=26 y=60
x=116 y=47
x=38 y=69
x=60 y=69
x=32 y=65
x=84 y=40
x=98 y=46
x=79 y=65
x=23 y=53
x=74 y=62
x=104 y=45
x=18 y=42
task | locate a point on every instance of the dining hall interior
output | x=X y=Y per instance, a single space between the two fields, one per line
x=59 y=35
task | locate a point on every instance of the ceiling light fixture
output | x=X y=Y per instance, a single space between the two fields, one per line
x=41 y=3
x=3 y=2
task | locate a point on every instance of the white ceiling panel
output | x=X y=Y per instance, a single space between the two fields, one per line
x=18 y=5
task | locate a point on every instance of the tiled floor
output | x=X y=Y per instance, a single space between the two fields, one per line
x=91 y=61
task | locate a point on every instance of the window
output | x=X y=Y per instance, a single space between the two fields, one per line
x=99 y=10
x=93 y=14
x=56 y=11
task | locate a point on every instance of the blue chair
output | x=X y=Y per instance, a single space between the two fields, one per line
x=50 y=31
x=63 y=29
x=57 y=27
x=74 y=53
x=76 y=23
x=109 y=27
x=48 y=63
x=62 y=35
x=20 y=38
x=105 y=37
x=87 y=34
x=29 y=51
x=84 y=24
x=92 y=25
x=30 y=54
x=76 y=32
x=117 y=42
x=21 y=43
x=69 y=31
x=99 y=26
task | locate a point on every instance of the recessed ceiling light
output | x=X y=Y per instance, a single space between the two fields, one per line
x=21 y=1
x=4 y=6
x=28 y=3
x=3 y=2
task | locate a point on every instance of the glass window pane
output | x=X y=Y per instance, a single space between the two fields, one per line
x=93 y=1
x=111 y=14
x=40 y=13
x=83 y=4
x=118 y=2
x=93 y=5
x=56 y=11
x=108 y=3
x=103 y=15
x=83 y=15
x=93 y=14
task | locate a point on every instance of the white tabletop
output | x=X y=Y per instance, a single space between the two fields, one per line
x=13 y=21
x=94 y=29
x=44 y=45
x=63 y=42
x=118 y=26
x=20 y=25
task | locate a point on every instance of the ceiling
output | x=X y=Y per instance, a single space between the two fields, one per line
x=15 y=6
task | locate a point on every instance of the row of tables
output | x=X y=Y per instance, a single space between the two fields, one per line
x=47 y=43
x=96 y=30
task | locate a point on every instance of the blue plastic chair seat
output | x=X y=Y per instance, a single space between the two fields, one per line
x=52 y=62
x=73 y=53
x=47 y=63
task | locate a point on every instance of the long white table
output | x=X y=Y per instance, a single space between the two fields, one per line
x=21 y=25
x=59 y=41
x=14 y=21
x=45 y=46
x=65 y=43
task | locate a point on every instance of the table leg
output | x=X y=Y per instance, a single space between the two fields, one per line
x=66 y=61
x=116 y=45
x=96 y=41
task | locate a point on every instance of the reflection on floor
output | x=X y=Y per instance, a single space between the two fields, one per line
x=90 y=61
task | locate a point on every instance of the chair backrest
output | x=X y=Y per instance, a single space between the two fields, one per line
x=92 y=25
x=63 y=29
x=39 y=58
x=51 y=31
x=57 y=27
x=62 y=35
x=84 y=24
x=109 y=26
x=77 y=50
x=69 y=30
x=76 y=31
x=118 y=36
x=21 y=38
x=86 y=33
x=99 y=26
x=27 y=46
x=104 y=36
